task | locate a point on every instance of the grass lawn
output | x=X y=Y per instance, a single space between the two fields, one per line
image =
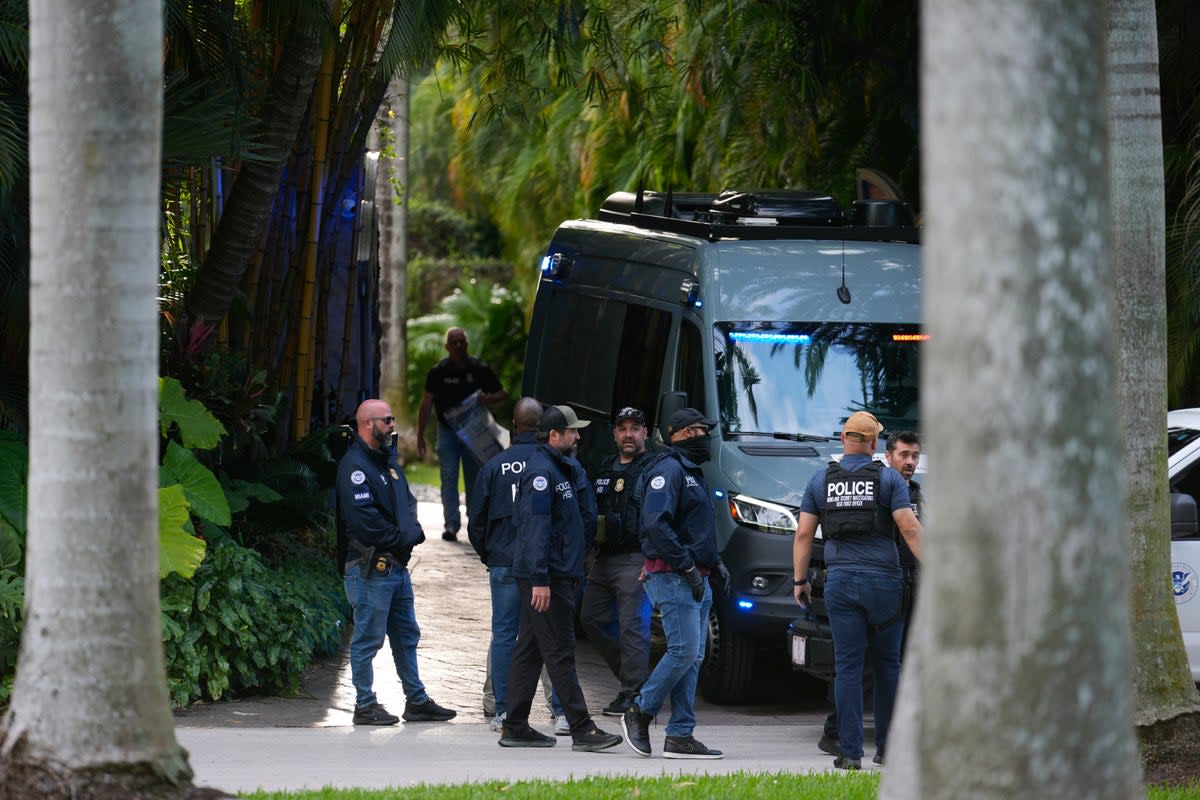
x=427 y=474
x=807 y=786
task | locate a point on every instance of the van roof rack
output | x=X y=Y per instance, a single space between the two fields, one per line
x=762 y=214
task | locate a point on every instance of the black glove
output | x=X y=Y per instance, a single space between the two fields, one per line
x=695 y=583
x=723 y=577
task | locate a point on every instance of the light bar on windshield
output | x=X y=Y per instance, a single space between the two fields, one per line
x=774 y=338
x=910 y=337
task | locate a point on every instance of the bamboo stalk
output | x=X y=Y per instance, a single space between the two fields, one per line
x=304 y=349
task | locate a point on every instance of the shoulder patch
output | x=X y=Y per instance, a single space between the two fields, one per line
x=357 y=477
x=658 y=482
x=540 y=483
x=362 y=496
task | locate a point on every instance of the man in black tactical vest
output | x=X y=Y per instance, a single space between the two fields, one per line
x=615 y=578
x=856 y=501
x=903 y=454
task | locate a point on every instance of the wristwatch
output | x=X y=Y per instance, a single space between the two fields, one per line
x=800 y=582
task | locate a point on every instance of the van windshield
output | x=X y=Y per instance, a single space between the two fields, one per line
x=791 y=379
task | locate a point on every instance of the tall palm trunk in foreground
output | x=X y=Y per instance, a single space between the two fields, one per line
x=1017 y=678
x=90 y=700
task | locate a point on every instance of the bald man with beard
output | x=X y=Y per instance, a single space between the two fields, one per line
x=377 y=515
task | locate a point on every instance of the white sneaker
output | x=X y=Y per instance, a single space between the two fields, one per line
x=561 y=726
x=497 y=722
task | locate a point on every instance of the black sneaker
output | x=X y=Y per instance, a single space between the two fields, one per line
x=450 y=536
x=688 y=747
x=878 y=759
x=845 y=762
x=593 y=740
x=524 y=737
x=829 y=744
x=636 y=726
x=428 y=711
x=374 y=714
x=618 y=707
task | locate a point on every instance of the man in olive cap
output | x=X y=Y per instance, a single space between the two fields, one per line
x=856 y=501
x=548 y=566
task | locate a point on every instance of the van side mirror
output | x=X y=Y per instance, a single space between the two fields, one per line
x=1184 y=519
x=668 y=404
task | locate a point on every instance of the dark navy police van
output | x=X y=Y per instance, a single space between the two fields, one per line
x=777 y=313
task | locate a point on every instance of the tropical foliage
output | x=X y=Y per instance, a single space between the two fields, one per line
x=244 y=624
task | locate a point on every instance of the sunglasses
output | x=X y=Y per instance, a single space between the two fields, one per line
x=387 y=420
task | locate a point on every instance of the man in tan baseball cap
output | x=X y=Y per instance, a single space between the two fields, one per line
x=862 y=427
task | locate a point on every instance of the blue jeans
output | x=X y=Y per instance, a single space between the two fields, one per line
x=506 y=621
x=450 y=452
x=383 y=606
x=685 y=622
x=857 y=604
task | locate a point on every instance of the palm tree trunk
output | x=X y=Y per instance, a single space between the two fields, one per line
x=250 y=200
x=1017 y=674
x=1162 y=679
x=391 y=201
x=90 y=690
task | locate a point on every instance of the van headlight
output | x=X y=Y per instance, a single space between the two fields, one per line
x=762 y=515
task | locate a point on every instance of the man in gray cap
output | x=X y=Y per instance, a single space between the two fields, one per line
x=857 y=501
x=679 y=539
x=548 y=566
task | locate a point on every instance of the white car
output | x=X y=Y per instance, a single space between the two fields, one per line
x=1183 y=467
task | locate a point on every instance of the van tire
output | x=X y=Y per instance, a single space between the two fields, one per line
x=727 y=674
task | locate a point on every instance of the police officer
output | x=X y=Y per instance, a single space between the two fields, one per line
x=903 y=453
x=856 y=503
x=678 y=536
x=548 y=566
x=492 y=533
x=377 y=514
x=451 y=381
x=615 y=576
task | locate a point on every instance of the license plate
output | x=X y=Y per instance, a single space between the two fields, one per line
x=799 y=650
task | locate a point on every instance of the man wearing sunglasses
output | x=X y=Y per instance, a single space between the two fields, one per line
x=377 y=515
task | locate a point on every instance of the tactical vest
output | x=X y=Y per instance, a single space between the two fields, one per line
x=622 y=496
x=852 y=506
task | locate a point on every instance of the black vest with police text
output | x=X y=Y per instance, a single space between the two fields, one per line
x=852 y=506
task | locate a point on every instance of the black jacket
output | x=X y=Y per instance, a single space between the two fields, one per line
x=551 y=533
x=490 y=525
x=676 y=521
x=375 y=507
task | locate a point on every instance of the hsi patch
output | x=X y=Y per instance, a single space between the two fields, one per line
x=658 y=482
x=358 y=478
x=540 y=483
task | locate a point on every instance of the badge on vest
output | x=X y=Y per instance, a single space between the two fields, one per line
x=395 y=477
x=620 y=485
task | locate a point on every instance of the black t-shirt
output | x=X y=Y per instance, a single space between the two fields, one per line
x=450 y=384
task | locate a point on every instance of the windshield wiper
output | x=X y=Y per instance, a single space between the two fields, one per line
x=791 y=437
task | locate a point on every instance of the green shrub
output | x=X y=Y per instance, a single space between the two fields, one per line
x=240 y=626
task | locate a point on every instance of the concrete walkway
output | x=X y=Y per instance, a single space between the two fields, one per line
x=309 y=741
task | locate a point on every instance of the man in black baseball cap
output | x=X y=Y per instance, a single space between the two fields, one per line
x=615 y=612
x=677 y=529
x=687 y=418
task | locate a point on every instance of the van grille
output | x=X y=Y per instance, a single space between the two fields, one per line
x=789 y=450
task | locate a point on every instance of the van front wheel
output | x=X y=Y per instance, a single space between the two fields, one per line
x=727 y=674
